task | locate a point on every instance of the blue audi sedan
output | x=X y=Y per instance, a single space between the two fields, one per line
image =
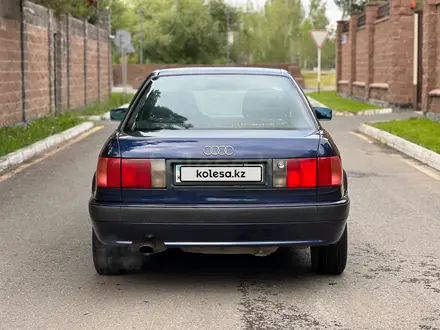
x=219 y=160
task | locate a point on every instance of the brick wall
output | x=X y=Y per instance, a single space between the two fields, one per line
x=44 y=68
x=431 y=58
x=382 y=29
x=346 y=49
x=380 y=67
x=92 y=64
x=384 y=56
x=137 y=73
x=38 y=83
x=10 y=71
x=77 y=95
x=361 y=55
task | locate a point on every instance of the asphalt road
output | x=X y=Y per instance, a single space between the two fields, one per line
x=47 y=280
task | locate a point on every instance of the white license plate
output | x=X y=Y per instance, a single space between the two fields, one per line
x=219 y=173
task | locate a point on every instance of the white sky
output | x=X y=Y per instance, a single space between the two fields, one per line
x=333 y=12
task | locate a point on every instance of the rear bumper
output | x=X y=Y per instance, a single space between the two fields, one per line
x=220 y=225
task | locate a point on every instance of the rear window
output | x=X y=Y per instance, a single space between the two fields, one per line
x=220 y=102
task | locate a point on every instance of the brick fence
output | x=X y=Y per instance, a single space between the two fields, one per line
x=431 y=58
x=136 y=73
x=375 y=55
x=50 y=63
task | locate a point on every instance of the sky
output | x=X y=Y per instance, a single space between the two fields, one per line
x=333 y=12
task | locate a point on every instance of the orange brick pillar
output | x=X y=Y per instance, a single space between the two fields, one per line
x=370 y=18
x=400 y=89
x=352 y=36
x=339 y=59
x=430 y=41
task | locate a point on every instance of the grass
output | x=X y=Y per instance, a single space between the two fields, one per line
x=421 y=131
x=115 y=100
x=16 y=137
x=339 y=103
x=328 y=79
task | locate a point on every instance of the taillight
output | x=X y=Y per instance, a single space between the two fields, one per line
x=329 y=171
x=307 y=172
x=108 y=173
x=131 y=173
x=301 y=173
x=136 y=173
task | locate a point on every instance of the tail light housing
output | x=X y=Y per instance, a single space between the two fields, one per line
x=307 y=172
x=108 y=173
x=131 y=173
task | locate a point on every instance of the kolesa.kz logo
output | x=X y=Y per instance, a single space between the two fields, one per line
x=220 y=174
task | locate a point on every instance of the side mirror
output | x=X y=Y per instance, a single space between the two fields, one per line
x=118 y=114
x=323 y=113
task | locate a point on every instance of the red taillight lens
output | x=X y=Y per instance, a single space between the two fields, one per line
x=307 y=172
x=329 y=171
x=131 y=173
x=136 y=173
x=301 y=173
x=108 y=173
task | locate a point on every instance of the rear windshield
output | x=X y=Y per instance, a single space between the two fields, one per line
x=220 y=102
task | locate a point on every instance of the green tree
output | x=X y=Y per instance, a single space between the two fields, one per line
x=183 y=33
x=317 y=15
x=308 y=52
x=351 y=6
x=273 y=34
x=77 y=8
x=316 y=19
x=328 y=52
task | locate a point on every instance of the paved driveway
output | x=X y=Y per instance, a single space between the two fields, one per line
x=392 y=281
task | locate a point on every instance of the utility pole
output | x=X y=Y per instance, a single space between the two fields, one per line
x=141 y=50
x=238 y=42
x=227 y=37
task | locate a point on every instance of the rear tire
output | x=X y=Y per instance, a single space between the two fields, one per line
x=331 y=259
x=114 y=260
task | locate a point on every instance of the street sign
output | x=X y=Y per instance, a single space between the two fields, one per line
x=122 y=39
x=319 y=36
x=129 y=49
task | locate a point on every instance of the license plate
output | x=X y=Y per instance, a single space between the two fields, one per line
x=211 y=174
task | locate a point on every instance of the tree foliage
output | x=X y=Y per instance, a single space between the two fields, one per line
x=281 y=33
x=77 y=8
x=195 y=31
x=351 y=6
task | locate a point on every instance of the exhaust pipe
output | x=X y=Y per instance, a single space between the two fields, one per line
x=152 y=247
x=147 y=249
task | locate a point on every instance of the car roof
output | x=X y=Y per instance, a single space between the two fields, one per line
x=220 y=70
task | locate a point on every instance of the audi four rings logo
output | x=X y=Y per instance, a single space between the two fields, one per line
x=218 y=151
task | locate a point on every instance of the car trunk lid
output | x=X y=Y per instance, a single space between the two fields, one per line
x=254 y=152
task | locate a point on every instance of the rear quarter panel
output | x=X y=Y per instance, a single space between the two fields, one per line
x=328 y=148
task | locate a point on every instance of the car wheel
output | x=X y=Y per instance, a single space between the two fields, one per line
x=331 y=259
x=114 y=260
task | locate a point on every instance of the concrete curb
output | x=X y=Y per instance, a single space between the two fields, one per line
x=105 y=116
x=120 y=89
x=371 y=112
x=413 y=150
x=26 y=153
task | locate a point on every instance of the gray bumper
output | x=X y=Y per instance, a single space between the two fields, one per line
x=183 y=225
